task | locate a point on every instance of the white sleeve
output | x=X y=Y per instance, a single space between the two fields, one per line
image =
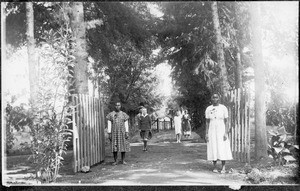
x=108 y=126
x=207 y=113
x=126 y=126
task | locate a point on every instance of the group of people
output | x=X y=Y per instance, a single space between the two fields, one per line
x=182 y=124
x=218 y=144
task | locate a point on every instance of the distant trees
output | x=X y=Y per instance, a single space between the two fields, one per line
x=199 y=39
x=106 y=38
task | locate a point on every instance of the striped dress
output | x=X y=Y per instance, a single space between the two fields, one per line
x=118 y=143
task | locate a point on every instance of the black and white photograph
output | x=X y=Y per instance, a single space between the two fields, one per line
x=150 y=93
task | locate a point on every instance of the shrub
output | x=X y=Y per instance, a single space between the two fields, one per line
x=50 y=134
x=281 y=147
x=16 y=117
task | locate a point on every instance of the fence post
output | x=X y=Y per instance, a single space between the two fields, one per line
x=157 y=125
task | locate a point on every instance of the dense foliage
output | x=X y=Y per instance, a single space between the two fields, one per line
x=187 y=38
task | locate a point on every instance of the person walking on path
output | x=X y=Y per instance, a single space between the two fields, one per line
x=118 y=132
x=144 y=123
x=218 y=145
x=186 y=124
x=178 y=126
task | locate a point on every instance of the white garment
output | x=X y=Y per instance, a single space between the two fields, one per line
x=217 y=148
x=177 y=124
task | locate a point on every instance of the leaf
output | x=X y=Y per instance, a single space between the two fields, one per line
x=270 y=156
x=278 y=149
x=296 y=146
x=285 y=150
x=282 y=131
x=289 y=158
x=282 y=137
x=271 y=132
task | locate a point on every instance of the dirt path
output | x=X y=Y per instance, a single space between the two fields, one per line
x=166 y=163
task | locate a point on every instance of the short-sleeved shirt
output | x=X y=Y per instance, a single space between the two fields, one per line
x=216 y=112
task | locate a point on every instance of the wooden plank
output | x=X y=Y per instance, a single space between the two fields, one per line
x=96 y=131
x=74 y=137
x=75 y=128
x=239 y=123
x=243 y=126
x=235 y=127
x=102 y=132
x=89 y=130
x=93 y=130
x=85 y=130
x=81 y=127
x=246 y=128
x=81 y=131
x=99 y=131
x=78 y=124
x=249 y=130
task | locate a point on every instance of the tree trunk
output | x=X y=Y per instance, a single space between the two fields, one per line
x=3 y=60
x=3 y=32
x=31 y=51
x=80 y=67
x=220 y=52
x=238 y=64
x=260 y=104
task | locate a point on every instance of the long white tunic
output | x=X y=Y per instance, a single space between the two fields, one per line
x=217 y=148
x=177 y=124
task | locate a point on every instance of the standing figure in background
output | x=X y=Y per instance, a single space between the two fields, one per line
x=118 y=132
x=218 y=145
x=144 y=123
x=186 y=124
x=178 y=126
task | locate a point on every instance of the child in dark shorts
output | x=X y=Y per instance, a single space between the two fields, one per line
x=144 y=123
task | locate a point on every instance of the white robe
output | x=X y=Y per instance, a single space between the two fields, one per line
x=217 y=148
x=177 y=124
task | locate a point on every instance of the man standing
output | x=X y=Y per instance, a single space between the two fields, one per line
x=118 y=132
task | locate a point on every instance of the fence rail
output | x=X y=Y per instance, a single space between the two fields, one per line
x=88 y=127
x=239 y=110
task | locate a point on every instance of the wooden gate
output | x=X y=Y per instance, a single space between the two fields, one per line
x=88 y=135
x=239 y=115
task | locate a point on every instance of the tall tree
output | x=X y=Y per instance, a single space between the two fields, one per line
x=220 y=52
x=80 y=50
x=260 y=102
x=238 y=64
x=3 y=31
x=31 y=50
